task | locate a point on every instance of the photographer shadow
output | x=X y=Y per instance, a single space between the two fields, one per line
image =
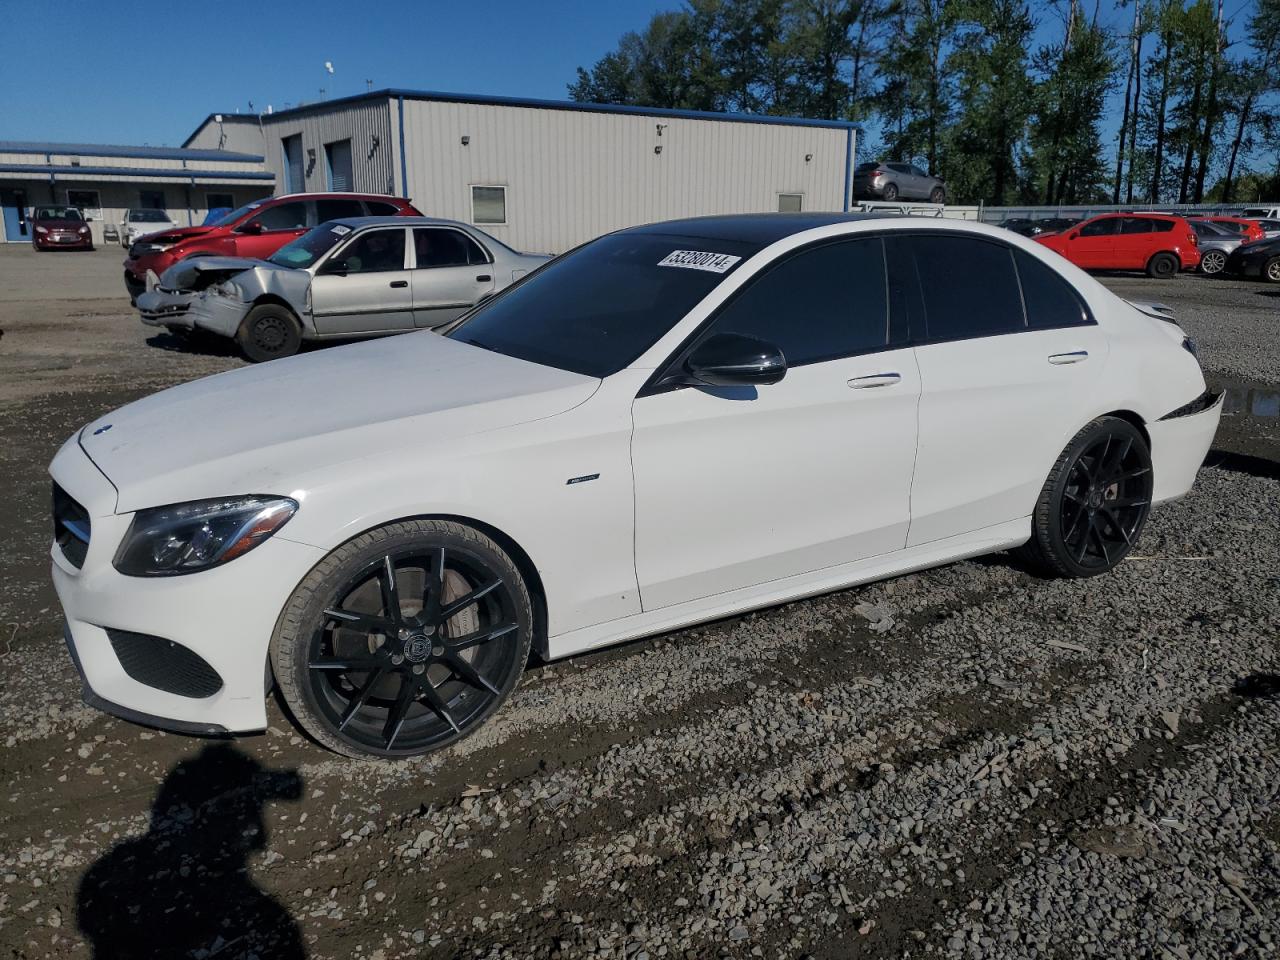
x=183 y=889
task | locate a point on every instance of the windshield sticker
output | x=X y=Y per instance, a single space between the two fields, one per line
x=699 y=260
x=339 y=229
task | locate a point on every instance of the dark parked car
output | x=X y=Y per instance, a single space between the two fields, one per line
x=1258 y=259
x=897 y=181
x=60 y=228
x=1033 y=228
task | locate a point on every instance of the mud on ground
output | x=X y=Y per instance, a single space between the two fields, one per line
x=967 y=762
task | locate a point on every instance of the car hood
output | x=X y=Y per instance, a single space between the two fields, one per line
x=282 y=426
x=199 y=272
x=159 y=233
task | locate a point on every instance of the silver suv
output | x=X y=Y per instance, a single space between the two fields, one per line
x=897 y=181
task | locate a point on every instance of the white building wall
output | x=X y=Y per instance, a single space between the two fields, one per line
x=368 y=125
x=572 y=175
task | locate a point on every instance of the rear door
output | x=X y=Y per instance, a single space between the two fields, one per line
x=1008 y=356
x=274 y=226
x=364 y=286
x=1136 y=243
x=451 y=273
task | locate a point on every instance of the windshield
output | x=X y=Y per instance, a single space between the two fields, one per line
x=310 y=247
x=236 y=214
x=148 y=216
x=597 y=308
x=57 y=213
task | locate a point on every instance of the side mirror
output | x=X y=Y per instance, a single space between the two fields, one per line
x=1073 y=236
x=337 y=267
x=731 y=360
x=252 y=227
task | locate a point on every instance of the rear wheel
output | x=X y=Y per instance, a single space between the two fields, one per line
x=404 y=640
x=268 y=332
x=1093 y=505
x=1214 y=261
x=937 y=195
x=1162 y=266
x=1272 y=270
x=891 y=191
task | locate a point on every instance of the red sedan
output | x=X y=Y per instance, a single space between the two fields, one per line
x=60 y=228
x=1161 y=244
x=256 y=230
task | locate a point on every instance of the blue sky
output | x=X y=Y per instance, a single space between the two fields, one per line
x=147 y=73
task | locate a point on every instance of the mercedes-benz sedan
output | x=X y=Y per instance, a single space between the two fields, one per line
x=670 y=424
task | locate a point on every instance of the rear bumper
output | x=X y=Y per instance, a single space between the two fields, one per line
x=1178 y=447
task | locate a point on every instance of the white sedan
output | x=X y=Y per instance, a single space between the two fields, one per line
x=670 y=424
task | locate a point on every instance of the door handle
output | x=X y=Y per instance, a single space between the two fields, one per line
x=1075 y=356
x=397 y=284
x=483 y=278
x=875 y=380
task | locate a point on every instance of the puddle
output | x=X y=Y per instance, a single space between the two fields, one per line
x=1249 y=400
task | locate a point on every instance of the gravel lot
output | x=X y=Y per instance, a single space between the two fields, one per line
x=967 y=762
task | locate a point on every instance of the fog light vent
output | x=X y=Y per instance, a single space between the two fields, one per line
x=163 y=664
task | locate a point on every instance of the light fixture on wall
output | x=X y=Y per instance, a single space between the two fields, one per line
x=658 y=148
x=808 y=157
x=311 y=160
x=466 y=140
x=374 y=144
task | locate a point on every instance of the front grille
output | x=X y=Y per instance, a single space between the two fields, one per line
x=163 y=664
x=71 y=527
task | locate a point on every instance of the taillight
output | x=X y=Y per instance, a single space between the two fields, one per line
x=1195 y=241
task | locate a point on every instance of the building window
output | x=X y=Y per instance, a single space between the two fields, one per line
x=337 y=156
x=151 y=199
x=790 y=202
x=488 y=204
x=217 y=201
x=294 y=182
x=87 y=201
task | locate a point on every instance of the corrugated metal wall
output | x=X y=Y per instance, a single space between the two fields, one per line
x=369 y=127
x=236 y=135
x=572 y=175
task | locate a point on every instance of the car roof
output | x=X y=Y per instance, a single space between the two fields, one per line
x=761 y=228
x=358 y=223
x=348 y=195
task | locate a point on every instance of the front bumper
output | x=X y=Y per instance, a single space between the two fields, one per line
x=1179 y=444
x=164 y=308
x=63 y=242
x=226 y=615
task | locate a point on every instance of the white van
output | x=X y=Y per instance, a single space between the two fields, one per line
x=1264 y=213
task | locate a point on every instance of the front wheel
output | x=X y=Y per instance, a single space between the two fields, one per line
x=269 y=331
x=1093 y=505
x=1214 y=261
x=891 y=191
x=404 y=640
x=1272 y=270
x=937 y=195
x=1162 y=266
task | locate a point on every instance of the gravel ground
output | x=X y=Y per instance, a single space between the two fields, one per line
x=967 y=762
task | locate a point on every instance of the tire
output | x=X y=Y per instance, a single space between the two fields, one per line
x=937 y=195
x=1162 y=266
x=344 y=666
x=1102 y=480
x=1271 y=270
x=1213 y=262
x=269 y=332
x=891 y=191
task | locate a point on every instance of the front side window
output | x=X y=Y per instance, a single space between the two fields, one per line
x=488 y=204
x=819 y=304
x=596 y=309
x=1100 y=228
x=970 y=287
x=376 y=251
x=1049 y=300
x=441 y=247
x=282 y=216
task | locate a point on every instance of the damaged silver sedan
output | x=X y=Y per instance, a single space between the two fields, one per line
x=344 y=278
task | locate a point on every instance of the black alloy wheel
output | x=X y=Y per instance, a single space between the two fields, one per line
x=408 y=643
x=1094 y=503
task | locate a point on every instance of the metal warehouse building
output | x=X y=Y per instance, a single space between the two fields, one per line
x=105 y=181
x=545 y=175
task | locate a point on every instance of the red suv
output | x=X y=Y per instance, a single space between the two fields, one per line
x=256 y=230
x=1159 y=243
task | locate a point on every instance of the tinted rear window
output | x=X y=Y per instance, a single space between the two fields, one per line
x=596 y=309
x=1050 y=300
x=970 y=287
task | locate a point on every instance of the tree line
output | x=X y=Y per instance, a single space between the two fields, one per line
x=1004 y=108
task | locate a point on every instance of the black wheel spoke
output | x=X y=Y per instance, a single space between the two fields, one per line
x=480 y=636
x=1096 y=529
x=390 y=590
x=463 y=602
x=467 y=672
x=365 y=662
x=1112 y=464
x=433 y=587
x=368 y=622
x=1131 y=474
x=1115 y=522
x=436 y=703
x=362 y=696
x=400 y=709
x=1075 y=522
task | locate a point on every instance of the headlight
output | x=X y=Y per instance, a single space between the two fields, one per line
x=84 y=229
x=227 y=289
x=41 y=230
x=186 y=537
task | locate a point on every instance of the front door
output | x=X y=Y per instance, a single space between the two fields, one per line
x=740 y=486
x=451 y=273
x=1094 y=244
x=271 y=229
x=364 y=286
x=17 y=228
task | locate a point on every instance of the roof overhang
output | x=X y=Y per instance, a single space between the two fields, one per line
x=39 y=171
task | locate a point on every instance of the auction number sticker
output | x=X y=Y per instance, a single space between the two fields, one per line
x=699 y=260
x=339 y=229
